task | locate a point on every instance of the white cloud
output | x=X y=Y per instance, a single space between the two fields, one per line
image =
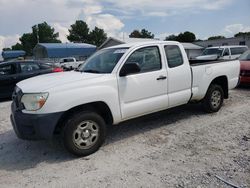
x=157 y=14
x=163 y=5
x=22 y=14
x=232 y=29
x=8 y=41
x=94 y=16
x=63 y=31
x=107 y=22
x=92 y=9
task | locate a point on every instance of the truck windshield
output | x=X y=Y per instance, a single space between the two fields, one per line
x=103 y=61
x=213 y=51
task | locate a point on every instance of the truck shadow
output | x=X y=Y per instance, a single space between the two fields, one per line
x=5 y=99
x=243 y=87
x=16 y=154
x=152 y=121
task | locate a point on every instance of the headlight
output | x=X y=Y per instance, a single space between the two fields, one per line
x=34 y=101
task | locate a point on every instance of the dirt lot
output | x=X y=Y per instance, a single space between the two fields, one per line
x=183 y=147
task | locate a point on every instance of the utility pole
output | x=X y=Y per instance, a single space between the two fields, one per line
x=37 y=34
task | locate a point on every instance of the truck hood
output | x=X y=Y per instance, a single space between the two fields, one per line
x=207 y=57
x=47 y=81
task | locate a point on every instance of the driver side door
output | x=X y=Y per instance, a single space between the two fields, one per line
x=144 y=92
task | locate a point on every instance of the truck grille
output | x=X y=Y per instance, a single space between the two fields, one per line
x=245 y=73
x=16 y=98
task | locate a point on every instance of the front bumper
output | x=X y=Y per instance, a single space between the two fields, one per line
x=33 y=126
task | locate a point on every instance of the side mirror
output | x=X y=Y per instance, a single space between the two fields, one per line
x=129 y=68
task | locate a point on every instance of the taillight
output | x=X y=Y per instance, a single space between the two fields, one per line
x=57 y=69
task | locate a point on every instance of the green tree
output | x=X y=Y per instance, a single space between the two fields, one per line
x=28 y=42
x=141 y=34
x=17 y=46
x=146 y=34
x=79 y=32
x=97 y=36
x=6 y=49
x=187 y=36
x=45 y=33
x=242 y=34
x=171 y=38
x=216 y=37
x=42 y=33
x=135 y=34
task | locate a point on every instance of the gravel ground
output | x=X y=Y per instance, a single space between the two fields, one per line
x=182 y=147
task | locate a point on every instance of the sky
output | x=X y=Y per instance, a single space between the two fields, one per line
x=118 y=18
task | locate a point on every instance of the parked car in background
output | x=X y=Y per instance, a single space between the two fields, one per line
x=245 y=68
x=114 y=85
x=70 y=63
x=14 y=71
x=222 y=52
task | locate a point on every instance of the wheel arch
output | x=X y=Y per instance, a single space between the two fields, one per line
x=99 y=107
x=223 y=82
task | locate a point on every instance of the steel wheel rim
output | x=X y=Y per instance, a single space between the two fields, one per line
x=216 y=99
x=86 y=134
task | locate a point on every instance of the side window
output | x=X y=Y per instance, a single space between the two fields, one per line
x=174 y=56
x=226 y=52
x=29 y=67
x=148 y=59
x=237 y=51
x=242 y=43
x=7 y=69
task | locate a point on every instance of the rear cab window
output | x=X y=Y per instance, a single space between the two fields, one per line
x=238 y=50
x=174 y=56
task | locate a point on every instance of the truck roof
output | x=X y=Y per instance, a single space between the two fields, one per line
x=137 y=44
x=232 y=46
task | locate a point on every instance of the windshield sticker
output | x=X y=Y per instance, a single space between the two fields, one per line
x=120 y=51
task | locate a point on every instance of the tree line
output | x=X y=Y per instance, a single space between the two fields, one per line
x=44 y=33
x=80 y=32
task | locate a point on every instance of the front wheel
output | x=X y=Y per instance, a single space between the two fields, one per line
x=84 y=133
x=213 y=99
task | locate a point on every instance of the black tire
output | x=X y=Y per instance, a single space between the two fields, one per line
x=72 y=126
x=210 y=104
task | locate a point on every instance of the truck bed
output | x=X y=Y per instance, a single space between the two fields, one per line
x=195 y=62
x=203 y=73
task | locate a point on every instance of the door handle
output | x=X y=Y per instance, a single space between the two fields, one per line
x=161 y=78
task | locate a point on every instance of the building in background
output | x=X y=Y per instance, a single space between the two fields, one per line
x=56 y=51
x=243 y=40
x=192 y=50
x=1 y=57
x=111 y=41
x=12 y=54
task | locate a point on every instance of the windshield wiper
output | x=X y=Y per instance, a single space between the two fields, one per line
x=91 y=71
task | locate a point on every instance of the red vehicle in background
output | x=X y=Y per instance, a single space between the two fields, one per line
x=245 y=68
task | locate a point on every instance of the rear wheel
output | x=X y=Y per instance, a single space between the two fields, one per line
x=213 y=99
x=84 y=133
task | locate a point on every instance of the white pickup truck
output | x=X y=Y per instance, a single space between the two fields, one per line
x=114 y=85
x=69 y=63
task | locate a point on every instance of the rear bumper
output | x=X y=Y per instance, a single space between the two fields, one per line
x=244 y=80
x=34 y=126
